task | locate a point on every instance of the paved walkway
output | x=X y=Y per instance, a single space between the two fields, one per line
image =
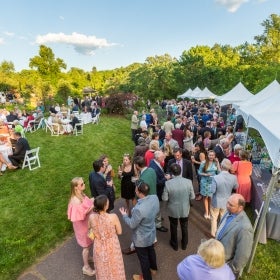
x=65 y=262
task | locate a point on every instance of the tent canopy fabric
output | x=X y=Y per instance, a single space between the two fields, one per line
x=261 y=102
x=236 y=95
x=261 y=112
x=186 y=94
x=267 y=124
x=195 y=92
x=206 y=94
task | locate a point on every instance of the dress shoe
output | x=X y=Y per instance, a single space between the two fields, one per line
x=162 y=229
x=10 y=166
x=88 y=271
x=207 y=217
x=175 y=248
x=137 y=277
x=128 y=251
x=184 y=246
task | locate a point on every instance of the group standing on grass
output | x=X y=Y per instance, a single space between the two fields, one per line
x=161 y=169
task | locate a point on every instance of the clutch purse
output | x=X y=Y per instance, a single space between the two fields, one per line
x=91 y=235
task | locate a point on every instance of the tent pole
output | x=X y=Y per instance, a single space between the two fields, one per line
x=271 y=185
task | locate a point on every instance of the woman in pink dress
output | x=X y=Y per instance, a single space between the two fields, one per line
x=79 y=208
x=107 y=253
x=243 y=170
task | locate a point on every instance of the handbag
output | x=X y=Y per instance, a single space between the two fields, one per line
x=91 y=234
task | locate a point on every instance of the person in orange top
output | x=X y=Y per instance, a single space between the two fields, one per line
x=243 y=170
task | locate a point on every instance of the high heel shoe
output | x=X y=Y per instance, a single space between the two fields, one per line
x=88 y=271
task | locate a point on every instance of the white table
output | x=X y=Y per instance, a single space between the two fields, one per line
x=5 y=150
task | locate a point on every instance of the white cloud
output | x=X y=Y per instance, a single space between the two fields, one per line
x=82 y=43
x=231 y=5
x=10 y=34
x=61 y=17
x=1 y=41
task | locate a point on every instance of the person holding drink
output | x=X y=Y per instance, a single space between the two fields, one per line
x=126 y=174
x=206 y=171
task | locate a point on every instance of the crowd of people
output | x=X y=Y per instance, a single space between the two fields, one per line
x=61 y=119
x=198 y=142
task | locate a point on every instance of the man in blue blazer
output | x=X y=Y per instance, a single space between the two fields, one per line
x=142 y=223
x=236 y=234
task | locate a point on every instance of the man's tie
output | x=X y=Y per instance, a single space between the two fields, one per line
x=223 y=225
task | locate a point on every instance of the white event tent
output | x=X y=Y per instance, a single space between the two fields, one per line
x=206 y=94
x=195 y=93
x=261 y=112
x=188 y=93
x=267 y=123
x=236 y=95
x=260 y=102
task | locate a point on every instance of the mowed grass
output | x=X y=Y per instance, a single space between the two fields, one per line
x=34 y=203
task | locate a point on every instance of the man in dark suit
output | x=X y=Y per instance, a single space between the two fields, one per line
x=220 y=148
x=20 y=146
x=98 y=184
x=186 y=165
x=207 y=127
x=161 y=134
x=193 y=129
x=161 y=179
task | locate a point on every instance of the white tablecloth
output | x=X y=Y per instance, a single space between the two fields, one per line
x=5 y=150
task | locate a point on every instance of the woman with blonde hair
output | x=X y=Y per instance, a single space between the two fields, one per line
x=208 y=263
x=149 y=155
x=79 y=208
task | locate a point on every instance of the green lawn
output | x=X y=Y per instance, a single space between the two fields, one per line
x=34 y=203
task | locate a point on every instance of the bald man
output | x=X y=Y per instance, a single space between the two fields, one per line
x=236 y=234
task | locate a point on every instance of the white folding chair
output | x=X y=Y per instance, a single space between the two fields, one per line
x=50 y=128
x=78 y=129
x=41 y=124
x=31 y=159
x=30 y=126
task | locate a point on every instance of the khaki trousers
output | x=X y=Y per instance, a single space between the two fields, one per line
x=215 y=214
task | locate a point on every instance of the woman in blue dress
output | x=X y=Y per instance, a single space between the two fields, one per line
x=207 y=170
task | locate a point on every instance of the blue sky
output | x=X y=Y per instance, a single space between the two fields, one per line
x=108 y=34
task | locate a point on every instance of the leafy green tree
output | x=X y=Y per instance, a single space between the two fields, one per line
x=7 y=67
x=64 y=90
x=46 y=64
x=269 y=41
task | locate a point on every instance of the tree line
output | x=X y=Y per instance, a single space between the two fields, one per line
x=219 y=68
